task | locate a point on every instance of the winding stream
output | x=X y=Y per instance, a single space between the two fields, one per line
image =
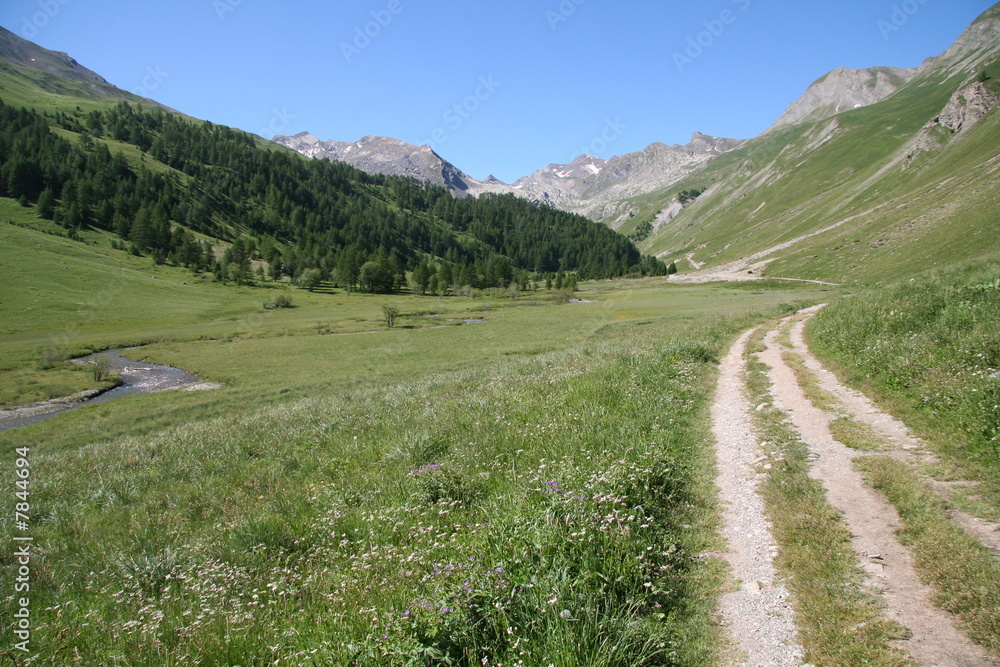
x=137 y=378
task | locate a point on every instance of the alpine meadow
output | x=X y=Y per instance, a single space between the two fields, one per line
x=735 y=402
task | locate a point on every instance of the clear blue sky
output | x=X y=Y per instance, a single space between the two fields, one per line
x=534 y=81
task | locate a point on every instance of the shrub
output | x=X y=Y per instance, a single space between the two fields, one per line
x=390 y=313
x=280 y=301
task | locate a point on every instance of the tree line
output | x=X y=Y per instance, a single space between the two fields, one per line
x=306 y=219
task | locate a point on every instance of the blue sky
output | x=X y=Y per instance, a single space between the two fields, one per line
x=496 y=86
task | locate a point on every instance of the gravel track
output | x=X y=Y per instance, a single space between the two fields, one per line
x=758 y=613
x=934 y=635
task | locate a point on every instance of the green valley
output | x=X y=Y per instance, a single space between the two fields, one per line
x=434 y=429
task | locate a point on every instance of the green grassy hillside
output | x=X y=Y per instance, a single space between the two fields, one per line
x=855 y=198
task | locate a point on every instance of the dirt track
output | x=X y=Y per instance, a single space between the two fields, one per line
x=759 y=612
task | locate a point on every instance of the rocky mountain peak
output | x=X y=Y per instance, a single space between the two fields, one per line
x=844 y=89
x=386 y=155
x=975 y=48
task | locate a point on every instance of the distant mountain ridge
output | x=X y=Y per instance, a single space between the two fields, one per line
x=588 y=185
x=385 y=155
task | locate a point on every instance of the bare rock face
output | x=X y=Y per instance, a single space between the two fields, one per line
x=965 y=108
x=595 y=187
x=844 y=89
x=384 y=155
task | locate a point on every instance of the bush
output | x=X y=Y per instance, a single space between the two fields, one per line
x=390 y=313
x=50 y=358
x=102 y=369
x=280 y=301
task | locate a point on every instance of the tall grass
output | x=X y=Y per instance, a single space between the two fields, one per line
x=931 y=347
x=543 y=510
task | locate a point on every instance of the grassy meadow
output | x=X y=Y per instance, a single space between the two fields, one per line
x=532 y=489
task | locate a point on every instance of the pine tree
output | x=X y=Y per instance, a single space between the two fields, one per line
x=141 y=231
x=46 y=206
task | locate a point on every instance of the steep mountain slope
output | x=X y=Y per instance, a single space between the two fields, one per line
x=903 y=184
x=32 y=72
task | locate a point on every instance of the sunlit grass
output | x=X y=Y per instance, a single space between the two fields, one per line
x=533 y=510
x=531 y=489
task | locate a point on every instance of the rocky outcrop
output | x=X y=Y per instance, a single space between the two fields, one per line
x=965 y=108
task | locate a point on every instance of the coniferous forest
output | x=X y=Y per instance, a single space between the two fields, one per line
x=197 y=185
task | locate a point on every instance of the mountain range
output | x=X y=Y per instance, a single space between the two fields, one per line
x=868 y=174
x=860 y=146
x=588 y=185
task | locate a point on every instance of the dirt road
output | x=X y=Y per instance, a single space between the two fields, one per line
x=759 y=613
